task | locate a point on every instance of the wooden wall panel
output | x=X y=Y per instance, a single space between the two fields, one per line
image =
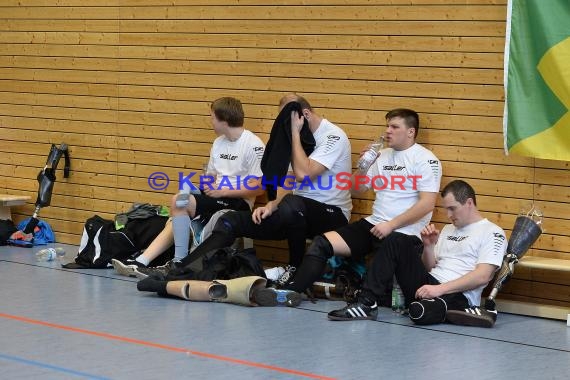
x=127 y=84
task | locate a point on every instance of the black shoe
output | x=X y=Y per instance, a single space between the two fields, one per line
x=276 y=297
x=354 y=311
x=157 y=272
x=473 y=316
x=127 y=267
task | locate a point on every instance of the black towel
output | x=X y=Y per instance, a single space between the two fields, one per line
x=277 y=154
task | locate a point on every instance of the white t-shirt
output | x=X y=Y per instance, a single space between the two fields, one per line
x=332 y=150
x=459 y=250
x=233 y=161
x=398 y=177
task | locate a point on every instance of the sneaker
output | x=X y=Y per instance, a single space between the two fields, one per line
x=355 y=311
x=472 y=316
x=276 y=297
x=127 y=267
x=158 y=272
x=273 y=274
x=285 y=276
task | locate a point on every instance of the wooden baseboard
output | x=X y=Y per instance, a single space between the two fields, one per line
x=534 y=310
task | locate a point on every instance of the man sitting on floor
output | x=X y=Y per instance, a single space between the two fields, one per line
x=449 y=276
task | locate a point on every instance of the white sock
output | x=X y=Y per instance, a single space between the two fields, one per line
x=181 y=230
x=143 y=260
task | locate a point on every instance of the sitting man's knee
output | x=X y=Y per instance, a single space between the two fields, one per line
x=227 y=223
x=320 y=248
x=428 y=311
x=291 y=208
x=181 y=200
x=293 y=201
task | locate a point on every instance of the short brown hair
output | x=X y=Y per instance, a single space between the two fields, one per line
x=461 y=190
x=229 y=110
x=411 y=118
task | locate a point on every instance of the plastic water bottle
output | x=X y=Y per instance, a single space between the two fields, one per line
x=370 y=155
x=50 y=254
x=398 y=299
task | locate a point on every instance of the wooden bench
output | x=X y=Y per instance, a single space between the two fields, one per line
x=7 y=200
x=530 y=263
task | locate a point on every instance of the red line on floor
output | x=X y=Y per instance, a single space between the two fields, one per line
x=164 y=347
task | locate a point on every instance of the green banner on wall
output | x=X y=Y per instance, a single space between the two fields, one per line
x=537 y=79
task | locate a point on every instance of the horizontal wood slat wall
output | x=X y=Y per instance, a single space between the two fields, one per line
x=127 y=84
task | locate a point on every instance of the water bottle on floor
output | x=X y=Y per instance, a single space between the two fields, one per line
x=50 y=254
x=398 y=299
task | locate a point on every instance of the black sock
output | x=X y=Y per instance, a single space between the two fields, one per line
x=310 y=271
x=367 y=298
x=313 y=265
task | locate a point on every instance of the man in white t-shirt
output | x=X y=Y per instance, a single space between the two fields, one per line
x=235 y=157
x=406 y=179
x=446 y=280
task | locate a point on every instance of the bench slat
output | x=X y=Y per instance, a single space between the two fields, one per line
x=544 y=263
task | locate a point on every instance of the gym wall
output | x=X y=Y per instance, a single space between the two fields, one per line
x=128 y=84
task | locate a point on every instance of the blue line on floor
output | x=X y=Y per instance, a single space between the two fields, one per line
x=49 y=366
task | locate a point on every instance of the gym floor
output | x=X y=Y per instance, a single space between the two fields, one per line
x=64 y=324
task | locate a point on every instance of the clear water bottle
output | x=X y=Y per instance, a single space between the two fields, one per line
x=50 y=254
x=370 y=155
x=398 y=299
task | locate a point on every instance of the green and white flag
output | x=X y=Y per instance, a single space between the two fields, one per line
x=537 y=79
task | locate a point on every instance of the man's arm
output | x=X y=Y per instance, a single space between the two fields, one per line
x=263 y=212
x=481 y=275
x=303 y=166
x=429 y=235
x=424 y=205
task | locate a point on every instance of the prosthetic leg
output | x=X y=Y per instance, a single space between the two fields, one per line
x=46 y=179
x=526 y=231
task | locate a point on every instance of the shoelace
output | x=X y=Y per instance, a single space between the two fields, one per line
x=289 y=270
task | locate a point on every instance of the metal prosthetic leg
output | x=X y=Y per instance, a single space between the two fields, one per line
x=46 y=179
x=526 y=231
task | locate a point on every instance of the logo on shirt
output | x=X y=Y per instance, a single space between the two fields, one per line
x=333 y=137
x=228 y=156
x=393 y=167
x=499 y=236
x=457 y=238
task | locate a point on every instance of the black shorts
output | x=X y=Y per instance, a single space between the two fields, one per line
x=358 y=238
x=206 y=205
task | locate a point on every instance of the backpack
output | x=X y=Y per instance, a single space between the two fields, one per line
x=101 y=241
x=41 y=235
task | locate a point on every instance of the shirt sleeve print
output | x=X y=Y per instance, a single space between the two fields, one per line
x=254 y=156
x=429 y=176
x=493 y=247
x=330 y=151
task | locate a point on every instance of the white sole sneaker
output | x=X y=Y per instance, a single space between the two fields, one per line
x=123 y=269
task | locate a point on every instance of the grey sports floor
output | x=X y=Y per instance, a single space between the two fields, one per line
x=64 y=324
